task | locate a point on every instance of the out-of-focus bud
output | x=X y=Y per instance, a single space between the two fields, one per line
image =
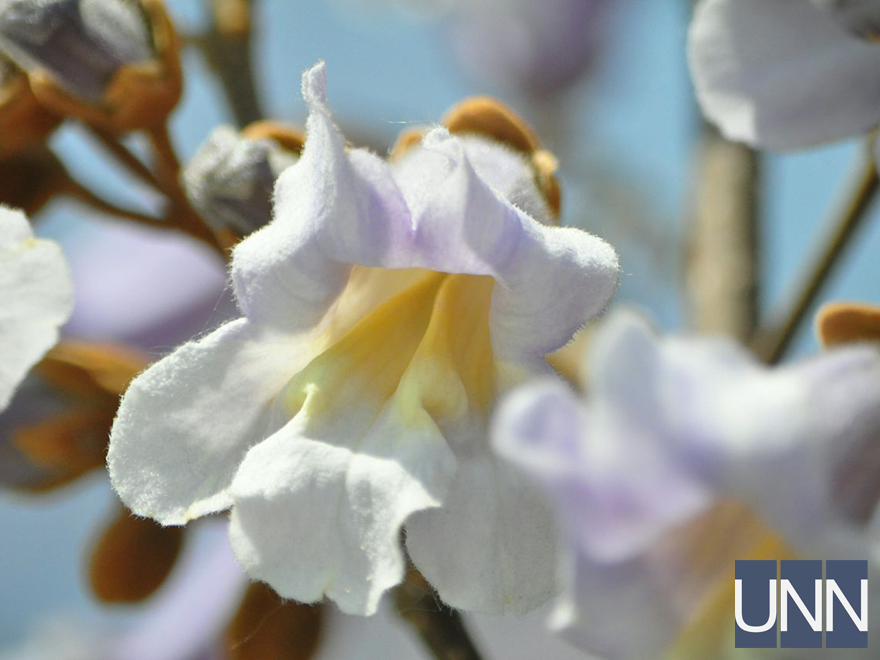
x=848 y=323
x=23 y=121
x=231 y=178
x=111 y=63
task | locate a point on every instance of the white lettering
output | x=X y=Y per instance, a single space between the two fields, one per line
x=832 y=589
x=738 y=609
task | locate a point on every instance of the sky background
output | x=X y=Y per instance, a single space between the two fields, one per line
x=629 y=128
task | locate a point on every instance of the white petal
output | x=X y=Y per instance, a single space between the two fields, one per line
x=782 y=74
x=332 y=209
x=319 y=506
x=493 y=545
x=36 y=298
x=185 y=424
x=553 y=280
x=335 y=208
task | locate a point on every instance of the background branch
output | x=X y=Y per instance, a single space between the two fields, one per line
x=772 y=342
x=723 y=252
x=228 y=49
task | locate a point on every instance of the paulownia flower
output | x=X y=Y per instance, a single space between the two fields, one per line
x=385 y=309
x=785 y=74
x=36 y=298
x=687 y=456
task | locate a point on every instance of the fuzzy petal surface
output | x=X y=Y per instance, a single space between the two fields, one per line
x=36 y=298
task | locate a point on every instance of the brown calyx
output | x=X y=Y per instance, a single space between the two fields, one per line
x=141 y=95
x=285 y=136
x=846 y=323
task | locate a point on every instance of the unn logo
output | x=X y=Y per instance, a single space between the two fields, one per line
x=801 y=604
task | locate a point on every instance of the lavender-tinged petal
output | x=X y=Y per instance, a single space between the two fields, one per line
x=332 y=209
x=780 y=74
x=552 y=279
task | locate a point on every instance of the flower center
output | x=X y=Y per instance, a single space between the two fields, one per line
x=426 y=347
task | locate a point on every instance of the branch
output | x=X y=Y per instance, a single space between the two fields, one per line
x=440 y=628
x=722 y=267
x=228 y=49
x=772 y=342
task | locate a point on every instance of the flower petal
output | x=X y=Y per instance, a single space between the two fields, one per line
x=185 y=424
x=617 y=486
x=552 y=279
x=36 y=298
x=319 y=505
x=332 y=209
x=781 y=74
x=493 y=545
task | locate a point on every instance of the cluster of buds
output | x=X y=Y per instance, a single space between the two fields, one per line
x=113 y=64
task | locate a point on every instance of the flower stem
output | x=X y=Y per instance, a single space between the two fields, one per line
x=440 y=628
x=91 y=199
x=227 y=45
x=165 y=181
x=131 y=162
x=772 y=342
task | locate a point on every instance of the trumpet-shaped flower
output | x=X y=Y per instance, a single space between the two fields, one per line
x=36 y=298
x=688 y=456
x=385 y=309
x=786 y=74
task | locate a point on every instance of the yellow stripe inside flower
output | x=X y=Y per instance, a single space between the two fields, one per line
x=730 y=531
x=428 y=345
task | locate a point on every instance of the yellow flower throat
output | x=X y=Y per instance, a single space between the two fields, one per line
x=428 y=346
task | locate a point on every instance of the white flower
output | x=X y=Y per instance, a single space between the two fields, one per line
x=688 y=456
x=785 y=74
x=36 y=298
x=385 y=308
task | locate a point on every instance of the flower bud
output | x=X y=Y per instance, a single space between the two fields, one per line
x=112 y=63
x=231 y=178
x=23 y=121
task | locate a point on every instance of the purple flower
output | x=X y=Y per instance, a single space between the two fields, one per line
x=687 y=455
